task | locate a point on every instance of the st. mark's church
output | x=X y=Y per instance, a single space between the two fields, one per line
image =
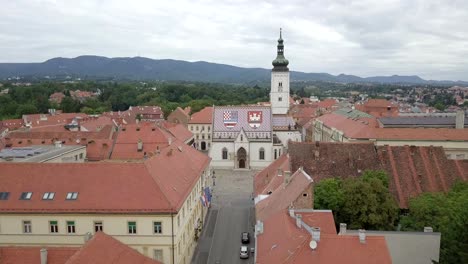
x=245 y=137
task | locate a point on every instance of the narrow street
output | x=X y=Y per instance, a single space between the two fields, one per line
x=231 y=213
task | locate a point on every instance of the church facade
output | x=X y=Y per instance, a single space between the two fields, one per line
x=251 y=137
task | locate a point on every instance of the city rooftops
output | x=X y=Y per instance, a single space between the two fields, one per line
x=37 y=154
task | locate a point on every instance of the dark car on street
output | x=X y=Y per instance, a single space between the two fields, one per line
x=245 y=238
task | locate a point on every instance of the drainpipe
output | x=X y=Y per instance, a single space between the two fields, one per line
x=172 y=227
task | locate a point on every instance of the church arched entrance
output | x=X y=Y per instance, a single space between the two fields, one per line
x=241 y=158
x=203 y=145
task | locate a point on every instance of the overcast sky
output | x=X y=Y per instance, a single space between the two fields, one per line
x=428 y=38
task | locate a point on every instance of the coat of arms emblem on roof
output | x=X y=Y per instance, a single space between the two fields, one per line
x=255 y=118
x=230 y=118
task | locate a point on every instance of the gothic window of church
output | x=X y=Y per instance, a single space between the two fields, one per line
x=261 y=154
x=280 y=86
x=280 y=99
x=225 y=154
x=242 y=138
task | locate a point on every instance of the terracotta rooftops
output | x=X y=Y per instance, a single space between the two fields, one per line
x=32 y=255
x=158 y=185
x=287 y=194
x=270 y=178
x=412 y=170
x=101 y=248
x=104 y=249
x=367 y=128
x=204 y=116
x=282 y=242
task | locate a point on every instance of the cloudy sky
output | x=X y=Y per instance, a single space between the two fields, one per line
x=428 y=38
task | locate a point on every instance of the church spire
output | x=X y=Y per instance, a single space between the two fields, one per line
x=280 y=63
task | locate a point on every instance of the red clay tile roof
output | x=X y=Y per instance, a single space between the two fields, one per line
x=267 y=179
x=327 y=103
x=31 y=255
x=59 y=118
x=179 y=131
x=105 y=249
x=12 y=124
x=176 y=171
x=320 y=218
x=205 y=116
x=303 y=111
x=367 y=128
x=96 y=124
x=283 y=196
x=412 y=170
x=98 y=143
x=106 y=187
x=283 y=243
x=152 y=137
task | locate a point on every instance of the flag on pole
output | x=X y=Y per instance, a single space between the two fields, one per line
x=203 y=201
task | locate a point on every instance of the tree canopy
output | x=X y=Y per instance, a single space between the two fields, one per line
x=446 y=213
x=363 y=202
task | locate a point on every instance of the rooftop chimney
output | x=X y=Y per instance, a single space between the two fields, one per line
x=342 y=228
x=291 y=212
x=140 y=145
x=428 y=229
x=287 y=177
x=43 y=256
x=169 y=141
x=299 y=221
x=460 y=119
x=316 y=233
x=87 y=236
x=362 y=236
x=58 y=144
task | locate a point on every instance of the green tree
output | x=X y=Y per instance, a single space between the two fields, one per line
x=368 y=203
x=26 y=109
x=445 y=213
x=439 y=106
x=328 y=194
x=69 y=105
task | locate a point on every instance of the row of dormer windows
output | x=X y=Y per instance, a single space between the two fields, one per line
x=45 y=196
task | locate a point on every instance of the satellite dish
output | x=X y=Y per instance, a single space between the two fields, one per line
x=313 y=244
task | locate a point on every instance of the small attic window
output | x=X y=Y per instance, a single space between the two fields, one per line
x=137 y=129
x=153 y=129
x=72 y=196
x=48 y=196
x=123 y=128
x=305 y=194
x=269 y=192
x=4 y=195
x=26 y=196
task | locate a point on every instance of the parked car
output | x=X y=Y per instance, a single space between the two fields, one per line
x=245 y=237
x=244 y=253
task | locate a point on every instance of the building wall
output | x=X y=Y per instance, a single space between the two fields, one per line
x=279 y=95
x=186 y=225
x=252 y=149
x=201 y=133
x=452 y=149
x=77 y=155
x=285 y=136
x=305 y=200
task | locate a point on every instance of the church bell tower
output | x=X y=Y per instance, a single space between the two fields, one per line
x=279 y=93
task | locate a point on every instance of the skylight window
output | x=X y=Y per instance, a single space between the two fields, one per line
x=26 y=196
x=48 y=196
x=72 y=196
x=4 y=195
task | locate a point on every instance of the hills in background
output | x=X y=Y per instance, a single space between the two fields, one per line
x=140 y=68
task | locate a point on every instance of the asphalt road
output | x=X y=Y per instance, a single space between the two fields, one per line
x=231 y=213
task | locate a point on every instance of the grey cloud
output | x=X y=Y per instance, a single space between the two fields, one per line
x=365 y=37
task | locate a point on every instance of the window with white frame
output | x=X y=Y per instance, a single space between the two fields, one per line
x=71 y=227
x=26 y=196
x=53 y=226
x=157 y=227
x=132 y=228
x=98 y=226
x=27 y=226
